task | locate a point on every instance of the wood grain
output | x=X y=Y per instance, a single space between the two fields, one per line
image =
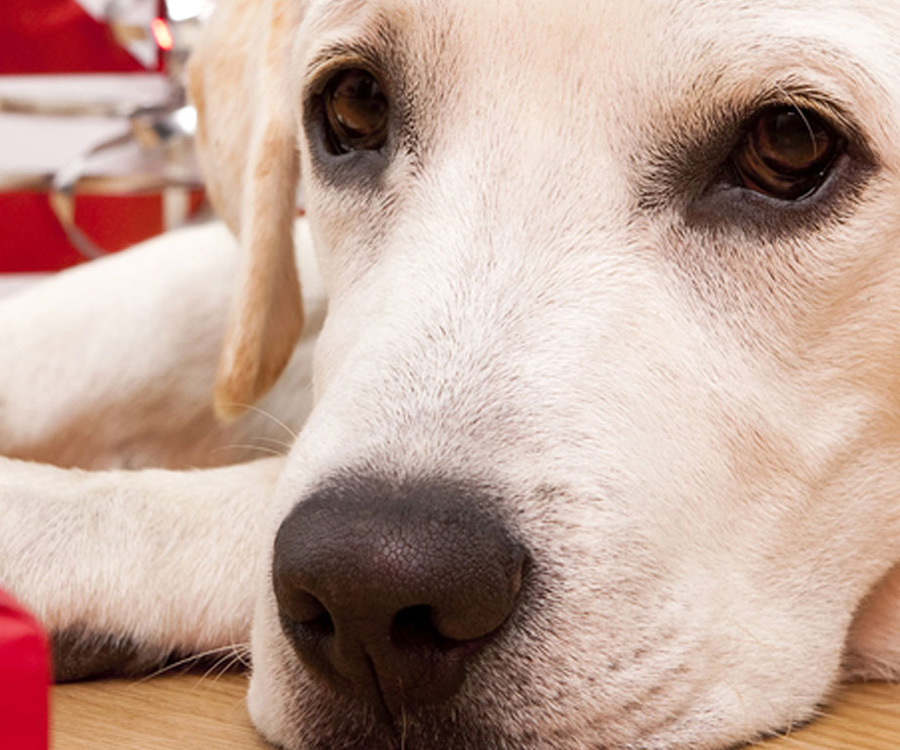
x=178 y=712
x=182 y=712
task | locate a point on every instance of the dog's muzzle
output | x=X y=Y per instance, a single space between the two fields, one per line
x=388 y=592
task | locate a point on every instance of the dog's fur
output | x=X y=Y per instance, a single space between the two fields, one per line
x=684 y=398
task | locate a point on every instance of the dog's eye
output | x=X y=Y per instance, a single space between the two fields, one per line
x=786 y=153
x=356 y=112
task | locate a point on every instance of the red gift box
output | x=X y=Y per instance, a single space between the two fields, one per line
x=35 y=241
x=24 y=679
x=133 y=194
x=58 y=36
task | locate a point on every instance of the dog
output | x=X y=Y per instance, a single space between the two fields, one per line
x=598 y=383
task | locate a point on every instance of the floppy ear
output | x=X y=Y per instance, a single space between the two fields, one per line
x=246 y=138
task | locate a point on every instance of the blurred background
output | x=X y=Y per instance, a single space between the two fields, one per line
x=96 y=136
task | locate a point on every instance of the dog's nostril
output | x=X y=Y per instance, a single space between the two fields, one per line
x=390 y=594
x=305 y=612
x=413 y=629
x=312 y=615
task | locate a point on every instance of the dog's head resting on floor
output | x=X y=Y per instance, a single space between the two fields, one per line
x=605 y=446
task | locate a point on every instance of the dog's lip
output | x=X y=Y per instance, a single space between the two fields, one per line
x=410 y=733
x=390 y=707
x=358 y=724
x=395 y=702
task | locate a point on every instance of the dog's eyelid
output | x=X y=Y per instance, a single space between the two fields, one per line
x=832 y=104
x=330 y=60
x=680 y=168
x=730 y=123
x=830 y=109
x=849 y=135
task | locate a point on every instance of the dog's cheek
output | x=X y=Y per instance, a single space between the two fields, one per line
x=276 y=681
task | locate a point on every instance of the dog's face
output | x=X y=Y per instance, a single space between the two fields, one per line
x=630 y=271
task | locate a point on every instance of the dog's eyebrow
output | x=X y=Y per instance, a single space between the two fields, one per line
x=374 y=45
x=690 y=136
x=337 y=53
x=374 y=51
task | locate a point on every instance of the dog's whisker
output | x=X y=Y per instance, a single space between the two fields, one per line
x=251 y=407
x=221 y=666
x=225 y=663
x=249 y=446
x=404 y=724
x=242 y=655
x=274 y=442
x=165 y=669
x=235 y=649
x=799 y=109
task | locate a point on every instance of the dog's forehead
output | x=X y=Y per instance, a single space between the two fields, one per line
x=597 y=39
x=609 y=69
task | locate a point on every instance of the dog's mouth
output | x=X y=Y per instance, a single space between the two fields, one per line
x=413 y=618
x=351 y=724
x=389 y=677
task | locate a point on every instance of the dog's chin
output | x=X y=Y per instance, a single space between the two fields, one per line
x=315 y=718
x=647 y=676
x=322 y=720
x=294 y=711
x=311 y=716
x=545 y=702
x=319 y=719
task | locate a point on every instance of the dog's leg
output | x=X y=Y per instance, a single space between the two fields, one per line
x=873 y=648
x=130 y=569
x=112 y=364
x=100 y=363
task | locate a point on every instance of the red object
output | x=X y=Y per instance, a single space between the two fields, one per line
x=57 y=36
x=35 y=241
x=24 y=679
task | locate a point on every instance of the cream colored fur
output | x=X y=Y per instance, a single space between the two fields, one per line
x=690 y=411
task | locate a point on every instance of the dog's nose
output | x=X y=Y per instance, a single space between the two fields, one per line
x=388 y=593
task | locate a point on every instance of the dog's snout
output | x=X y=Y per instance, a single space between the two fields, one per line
x=389 y=593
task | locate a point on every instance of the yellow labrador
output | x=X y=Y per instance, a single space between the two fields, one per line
x=601 y=433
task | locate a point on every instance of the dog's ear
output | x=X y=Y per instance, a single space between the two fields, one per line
x=246 y=137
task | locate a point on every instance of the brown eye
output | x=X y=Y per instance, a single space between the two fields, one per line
x=787 y=153
x=356 y=112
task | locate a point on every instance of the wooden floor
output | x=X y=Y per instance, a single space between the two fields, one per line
x=183 y=712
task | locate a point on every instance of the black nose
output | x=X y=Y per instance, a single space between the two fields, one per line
x=387 y=592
